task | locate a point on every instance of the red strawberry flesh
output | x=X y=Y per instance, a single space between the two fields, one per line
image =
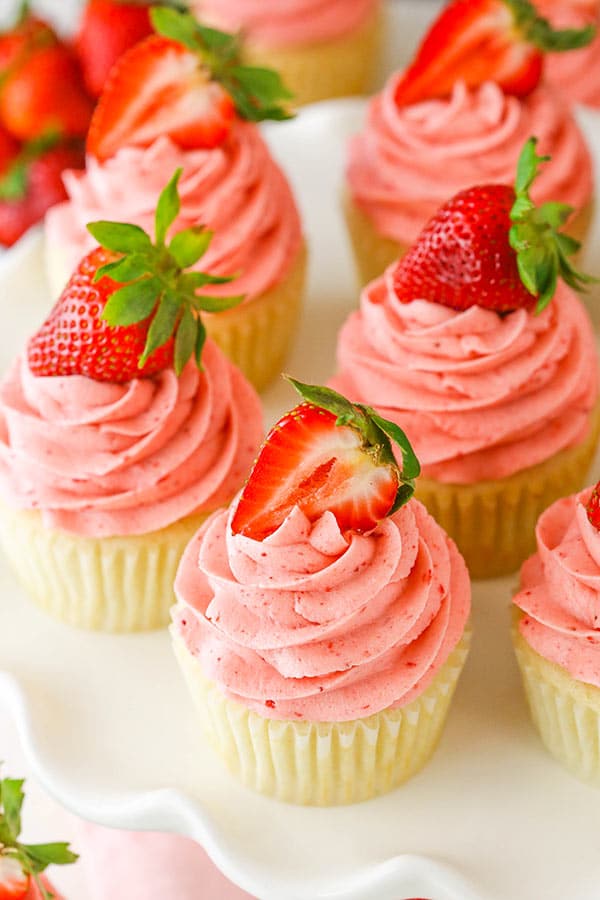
x=310 y=462
x=593 y=507
x=160 y=88
x=14 y=884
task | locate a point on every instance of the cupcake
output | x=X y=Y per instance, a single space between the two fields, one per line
x=230 y=184
x=448 y=123
x=115 y=444
x=322 y=621
x=555 y=632
x=576 y=74
x=495 y=385
x=322 y=48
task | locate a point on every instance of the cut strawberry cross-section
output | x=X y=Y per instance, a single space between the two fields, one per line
x=327 y=455
x=185 y=82
x=485 y=40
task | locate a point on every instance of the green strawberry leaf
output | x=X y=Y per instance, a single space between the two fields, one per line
x=132 y=303
x=12 y=798
x=128 y=268
x=180 y=27
x=411 y=467
x=120 y=237
x=44 y=855
x=541 y=249
x=190 y=245
x=539 y=32
x=193 y=281
x=218 y=304
x=167 y=209
x=200 y=342
x=163 y=324
x=264 y=85
x=185 y=339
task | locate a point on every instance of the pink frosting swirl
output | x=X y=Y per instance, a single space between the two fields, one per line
x=103 y=459
x=560 y=590
x=313 y=624
x=481 y=396
x=408 y=161
x=577 y=72
x=287 y=23
x=235 y=189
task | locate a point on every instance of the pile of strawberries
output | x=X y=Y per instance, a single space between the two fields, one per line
x=47 y=95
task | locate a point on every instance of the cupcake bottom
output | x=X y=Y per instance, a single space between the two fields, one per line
x=257 y=335
x=566 y=712
x=493 y=522
x=373 y=252
x=116 y=584
x=324 y=763
x=334 y=68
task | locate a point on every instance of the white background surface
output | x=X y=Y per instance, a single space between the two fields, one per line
x=106 y=721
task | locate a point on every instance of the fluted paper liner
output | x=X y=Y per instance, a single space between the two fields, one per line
x=116 y=584
x=324 y=763
x=322 y=70
x=566 y=712
x=493 y=522
x=257 y=335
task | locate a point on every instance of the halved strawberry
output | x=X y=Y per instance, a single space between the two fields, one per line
x=160 y=87
x=14 y=883
x=186 y=83
x=485 y=40
x=489 y=246
x=326 y=455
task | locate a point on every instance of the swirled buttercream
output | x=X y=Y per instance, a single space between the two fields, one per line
x=287 y=23
x=408 y=161
x=101 y=459
x=236 y=189
x=481 y=396
x=560 y=590
x=313 y=624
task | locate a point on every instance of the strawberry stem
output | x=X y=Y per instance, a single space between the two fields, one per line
x=375 y=431
x=542 y=249
x=539 y=32
x=156 y=285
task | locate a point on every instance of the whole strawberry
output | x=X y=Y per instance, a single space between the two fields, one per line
x=186 y=82
x=108 y=28
x=43 y=93
x=131 y=309
x=27 y=35
x=326 y=455
x=489 y=246
x=31 y=182
x=21 y=864
x=485 y=40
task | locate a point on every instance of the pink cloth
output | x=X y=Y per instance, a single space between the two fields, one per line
x=123 y=865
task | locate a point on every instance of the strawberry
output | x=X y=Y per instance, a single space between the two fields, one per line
x=489 y=246
x=14 y=883
x=485 y=40
x=327 y=454
x=185 y=82
x=9 y=150
x=130 y=309
x=28 y=35
x=593 y=507
x=31 y=183
x=21 y=864
x=45 y=94
x=108 y=28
